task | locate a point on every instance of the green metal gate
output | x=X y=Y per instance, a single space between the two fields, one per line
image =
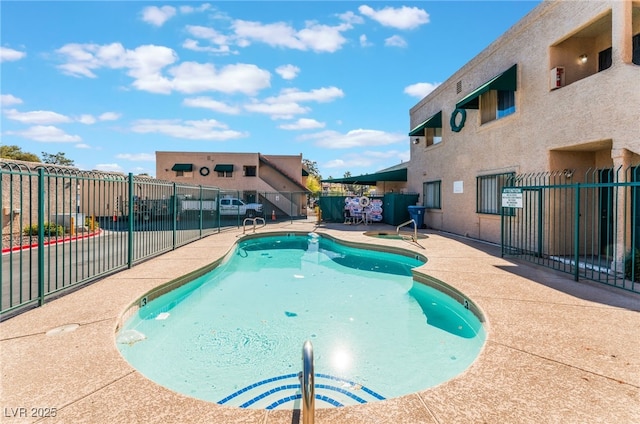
x=587 y=225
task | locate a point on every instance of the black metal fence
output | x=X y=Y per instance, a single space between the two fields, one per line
x=584 y=224
x=62 y=228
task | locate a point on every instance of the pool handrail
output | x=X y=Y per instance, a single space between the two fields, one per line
x=307 y=385
x=415 y=229
x=244 y=223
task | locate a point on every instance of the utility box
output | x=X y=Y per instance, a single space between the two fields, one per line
x=65 y=220
x=394 y=210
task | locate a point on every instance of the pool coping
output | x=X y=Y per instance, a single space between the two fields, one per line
x=531 y=369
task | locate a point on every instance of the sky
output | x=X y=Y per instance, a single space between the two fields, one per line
x=109 y=83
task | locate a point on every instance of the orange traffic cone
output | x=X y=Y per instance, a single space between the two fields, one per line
x=273 y=215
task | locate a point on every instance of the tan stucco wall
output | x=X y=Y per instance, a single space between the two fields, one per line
x=291 y=165
x=588 y=123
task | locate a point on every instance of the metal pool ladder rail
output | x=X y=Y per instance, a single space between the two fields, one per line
x=254 y=220
x=307 y=384
x=415 y=229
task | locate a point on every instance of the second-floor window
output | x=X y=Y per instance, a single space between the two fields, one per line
x=249 y=171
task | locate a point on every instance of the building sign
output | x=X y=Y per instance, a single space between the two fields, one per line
x=512 y=198
x=458 y=187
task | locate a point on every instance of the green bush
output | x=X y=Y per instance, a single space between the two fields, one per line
x=632 y=265
x=50 y=230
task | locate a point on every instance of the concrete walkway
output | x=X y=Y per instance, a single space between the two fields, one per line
x=557 y=351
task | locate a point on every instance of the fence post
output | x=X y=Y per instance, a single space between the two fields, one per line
x=130 y=212
x=576 y=234
x=201 y=210
x=41 y=236
x=175 y=218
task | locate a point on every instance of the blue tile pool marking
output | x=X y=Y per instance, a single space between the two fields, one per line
x=297 y=386
x=297 y=396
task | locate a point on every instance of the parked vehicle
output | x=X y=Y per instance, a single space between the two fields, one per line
x=228 y=206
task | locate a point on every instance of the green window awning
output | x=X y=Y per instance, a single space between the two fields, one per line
x=372 y=179
x=223 y=168
x=433 y=122
x=506 y=81
x=182 y=167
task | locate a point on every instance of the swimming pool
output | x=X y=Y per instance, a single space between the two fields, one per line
x=234 y=335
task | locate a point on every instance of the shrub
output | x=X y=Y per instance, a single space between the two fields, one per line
x=632 y=265
x=50 y=229
x=91 y=224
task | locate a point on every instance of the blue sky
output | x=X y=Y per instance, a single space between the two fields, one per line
x=110 y=83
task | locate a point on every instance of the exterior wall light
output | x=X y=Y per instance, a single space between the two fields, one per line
x=416 y=140
x=583 y=58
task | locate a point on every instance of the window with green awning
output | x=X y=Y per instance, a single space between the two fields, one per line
x=434 y=121
x=223 y=168
x=506 y=81
x=182 y=167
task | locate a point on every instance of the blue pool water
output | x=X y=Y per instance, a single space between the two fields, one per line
x=235 y=335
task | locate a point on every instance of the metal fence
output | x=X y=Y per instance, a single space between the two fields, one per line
x=587 y=225
x=62 y=228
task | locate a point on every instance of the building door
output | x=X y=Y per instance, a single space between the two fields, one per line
x=606 y=209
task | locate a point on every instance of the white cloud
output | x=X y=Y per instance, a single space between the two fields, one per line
x=158 y=15
x=82 y=146
x=190 y=9
x=209 y=34
x=36 y=117
x=86 y=119
x=399 y=18
x=315 y=37
x=209 y=103
x=9 y=100
x=368 y=160
x=192 y=77
x=354 y=138
x=288 y=72
x=109 y=116
x=194 y=45
x=137 y=157
x=206 y=129
x=280 y=110
x=9 y=55
x=364 y=42
x=395 y=41
x=143 y=63
x=420 y=89
x=321 y=95
x=303 y=124
x=351 y=18
x=46 y=134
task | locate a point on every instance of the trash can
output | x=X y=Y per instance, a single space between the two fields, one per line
x=417 y=214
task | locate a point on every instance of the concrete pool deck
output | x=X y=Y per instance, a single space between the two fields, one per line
x=557 y=351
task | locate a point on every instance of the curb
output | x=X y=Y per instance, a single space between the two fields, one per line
x=48 y=243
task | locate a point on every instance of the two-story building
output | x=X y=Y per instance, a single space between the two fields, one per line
x=278 y=181
x=557 y=95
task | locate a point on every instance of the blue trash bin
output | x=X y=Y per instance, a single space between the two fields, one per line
x=417 y=214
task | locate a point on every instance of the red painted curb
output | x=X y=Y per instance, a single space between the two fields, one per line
x=47 y=243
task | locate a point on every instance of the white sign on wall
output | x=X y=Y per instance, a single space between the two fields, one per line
x=512 y=198
x=458 y=187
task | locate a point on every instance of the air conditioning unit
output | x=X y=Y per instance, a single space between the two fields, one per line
x=556 y=78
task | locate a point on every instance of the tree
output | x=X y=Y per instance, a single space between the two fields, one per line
x=16 y=153
x=312 y=168
x=57 y=159
x=313 y=184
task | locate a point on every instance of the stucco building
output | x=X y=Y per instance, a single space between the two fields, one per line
x=278 y=181
x=557 y=94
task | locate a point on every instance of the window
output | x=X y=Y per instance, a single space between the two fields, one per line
x=496 y=104
x=225 y=174
x=249 y=171
x=431 y=191
x=636 y=49
x=604 y=59
x=489 y=192
x=433 y=136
